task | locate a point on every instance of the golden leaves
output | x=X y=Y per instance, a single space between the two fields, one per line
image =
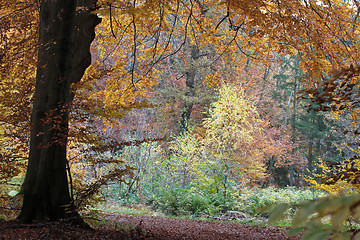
x=232 y=131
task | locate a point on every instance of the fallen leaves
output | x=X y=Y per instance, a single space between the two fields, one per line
x=121 y=226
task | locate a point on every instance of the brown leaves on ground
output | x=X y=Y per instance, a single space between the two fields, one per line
x=14 y=231
x=143 y=227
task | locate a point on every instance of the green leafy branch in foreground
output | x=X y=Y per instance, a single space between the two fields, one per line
x=322 y=218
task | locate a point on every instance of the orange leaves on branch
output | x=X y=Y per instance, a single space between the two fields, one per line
x=213 y=80
x=338 y=94
x=18 y=56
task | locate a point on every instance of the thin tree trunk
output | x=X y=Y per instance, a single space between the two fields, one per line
x=292 y=170
x=46 y=191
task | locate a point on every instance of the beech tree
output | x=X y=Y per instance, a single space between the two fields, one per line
x=66 y=32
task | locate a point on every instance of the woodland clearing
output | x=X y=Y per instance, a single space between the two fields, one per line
x=190 y=108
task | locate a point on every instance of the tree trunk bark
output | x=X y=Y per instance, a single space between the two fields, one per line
x=293 y=122
x=62 y=60
x=190 y=85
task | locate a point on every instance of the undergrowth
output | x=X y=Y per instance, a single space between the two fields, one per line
x=197 y=204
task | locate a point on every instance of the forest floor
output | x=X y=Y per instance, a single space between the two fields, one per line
x=124 y=226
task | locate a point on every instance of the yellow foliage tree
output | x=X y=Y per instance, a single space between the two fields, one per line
x=233 y=134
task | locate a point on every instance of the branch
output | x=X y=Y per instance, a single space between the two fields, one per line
x=111 y=25
x=223 y=19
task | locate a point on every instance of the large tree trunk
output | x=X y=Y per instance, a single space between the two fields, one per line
x=62 y=60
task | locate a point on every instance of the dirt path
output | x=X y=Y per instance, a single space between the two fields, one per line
x=176 y=229
x=142 y=227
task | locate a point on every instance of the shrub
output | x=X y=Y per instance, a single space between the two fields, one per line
x=187 y=202
x=254 y=200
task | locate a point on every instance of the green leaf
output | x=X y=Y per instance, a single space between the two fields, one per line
x=295 y=231
x=278 y=213
x=356 y=211
x=339 y=217
x=328 y=205
x=342 y=236
x=304 y=212
x=315 y=234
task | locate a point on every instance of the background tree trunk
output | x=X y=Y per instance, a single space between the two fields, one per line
x=190 y=90
x=63 y=56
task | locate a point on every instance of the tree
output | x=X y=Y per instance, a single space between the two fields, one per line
x=64 y=41
x=233 y=131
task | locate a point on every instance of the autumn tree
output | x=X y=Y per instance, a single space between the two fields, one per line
x=62 y=60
